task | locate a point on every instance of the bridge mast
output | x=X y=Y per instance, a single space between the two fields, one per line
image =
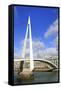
x=25 y=41
x=31 y=50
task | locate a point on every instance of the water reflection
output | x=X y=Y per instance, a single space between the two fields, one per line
x=39 y=77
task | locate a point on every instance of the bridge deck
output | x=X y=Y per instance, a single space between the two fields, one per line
x=43 y=60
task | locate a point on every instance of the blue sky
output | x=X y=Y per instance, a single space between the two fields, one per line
x=42 y=20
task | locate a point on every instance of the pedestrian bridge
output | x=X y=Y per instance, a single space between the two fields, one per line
x=49 y=62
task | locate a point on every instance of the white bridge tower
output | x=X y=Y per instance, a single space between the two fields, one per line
x=24 y=46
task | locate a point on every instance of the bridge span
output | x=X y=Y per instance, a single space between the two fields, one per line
x=49 y=62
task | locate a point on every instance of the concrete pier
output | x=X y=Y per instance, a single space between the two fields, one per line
x=26 y=74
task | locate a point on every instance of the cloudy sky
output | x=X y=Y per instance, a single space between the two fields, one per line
x=44 y=28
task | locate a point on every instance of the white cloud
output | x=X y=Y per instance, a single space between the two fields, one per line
x=51 y=51
x=55 y=41
x=37 y=45
x=53 y=28
x=39 y=50
x=17 y=53
x=46 y=53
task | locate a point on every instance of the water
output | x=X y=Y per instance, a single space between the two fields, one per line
x=39 y=77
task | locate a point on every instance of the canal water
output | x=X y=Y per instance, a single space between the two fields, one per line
x=39 y=77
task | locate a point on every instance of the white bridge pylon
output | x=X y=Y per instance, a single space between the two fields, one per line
x=24 y=47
